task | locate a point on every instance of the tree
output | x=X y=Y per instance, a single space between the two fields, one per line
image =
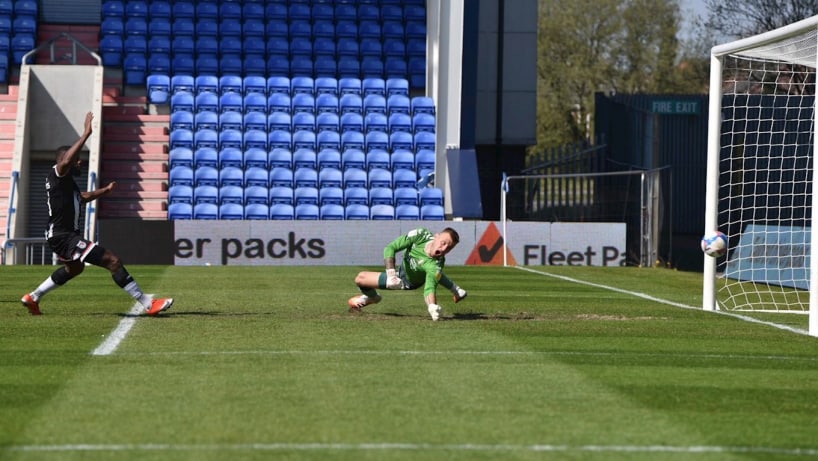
x=590 y=46
x=735 y=20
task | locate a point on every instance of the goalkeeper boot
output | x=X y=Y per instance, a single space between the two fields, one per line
x=32 y=305
x=356 y=303
x=460 y=295
x=159 y=305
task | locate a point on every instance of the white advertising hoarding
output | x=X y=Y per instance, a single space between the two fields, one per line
x=295 y=243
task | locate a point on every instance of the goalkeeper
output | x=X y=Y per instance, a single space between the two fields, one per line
x=424 y=255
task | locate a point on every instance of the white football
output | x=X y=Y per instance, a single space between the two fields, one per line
x=714 y=244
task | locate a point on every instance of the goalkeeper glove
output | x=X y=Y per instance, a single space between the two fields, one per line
x=393 y=282
x=434 y=311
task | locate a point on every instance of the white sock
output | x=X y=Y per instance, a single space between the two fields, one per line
x=137 y=294
x=44 y=288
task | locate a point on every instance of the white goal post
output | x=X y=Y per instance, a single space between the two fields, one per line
x=761 y=175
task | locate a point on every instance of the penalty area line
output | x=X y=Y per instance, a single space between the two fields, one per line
x=665 y=301
x=119 y=333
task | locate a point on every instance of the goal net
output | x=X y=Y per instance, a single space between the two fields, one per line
x=760 y=172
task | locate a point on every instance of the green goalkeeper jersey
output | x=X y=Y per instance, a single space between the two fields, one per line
x=418 y=267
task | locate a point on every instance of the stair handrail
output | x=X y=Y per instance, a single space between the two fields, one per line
x=50 y=44
x=15 y=177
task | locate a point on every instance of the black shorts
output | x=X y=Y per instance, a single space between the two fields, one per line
x=71 y=247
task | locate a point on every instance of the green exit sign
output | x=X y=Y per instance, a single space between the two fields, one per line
x=675 y=107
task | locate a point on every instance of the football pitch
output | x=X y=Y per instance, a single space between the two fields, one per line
x=259 y=363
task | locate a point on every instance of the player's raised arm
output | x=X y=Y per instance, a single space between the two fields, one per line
x=68 y=157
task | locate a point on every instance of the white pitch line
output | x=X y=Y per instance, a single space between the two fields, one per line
x=157 y=447
x=116 y=337
x=665 y=301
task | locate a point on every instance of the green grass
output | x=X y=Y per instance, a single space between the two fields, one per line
x=259 y=363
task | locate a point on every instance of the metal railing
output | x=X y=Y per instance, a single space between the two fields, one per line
x=30 y=247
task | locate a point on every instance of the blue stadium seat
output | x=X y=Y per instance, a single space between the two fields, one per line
x=277 y=64
x=253 y=11
x=414 y=13
x=108 y=9
x=432 y=213
x=351 y=121
x=328 y=158
x=328 y=140
x=255 y=84
x=374 y=103
x=305 y=177
x=356 y=212
x=424 y=159
x=158 y=63
x=356 y=196
x=160 y=9
x=379 y=177
x=207 y=83
x=330 y=195
x=415 y=29
x=255 y=157
x=398 y=104
x=405 y=196
x=280 y=158
x=378 y=158
x=230 y=28
x=158 y=89
x=160 y=27
x=231 y=102
x=380 y=196
x=133 y=26
x=232 y=156
x=382 y=212
x=349 y=67
x=327 y=121
x=325 y=66
x=349 y=85
x=372 y=67
x=301 y=65
x=280 y=138
x=391 y=12
x=281 y=177
x=282 y=211
x=279 y=85
x=278 y=29
x=403 y=177
x=134 y=66
x=159 y=44
x=230 y=10
x=255 y=121
x=307 y=212
x=255 y=102
x=110 y=48
x=300 y=28
x=231 y=176
x=376 y=140
x=181 y=175
x=323 y=12
x=110 y=26
x=181 y=27
x=275 y=12
x=231 y=64
x=323 y=47
x=231 y=84
x=279 y=102
x=182 y=65
x=182 y=100
x=430 y=196
x=181 y=82
x=346 y=29
x=210 y=31
x=180 y=211
x=231 y=194
x=255 y=139
x=354 y=177
x=422 y=105
x=352 y=140
x=400 y=122
x=401 y=140
x=231 y=138
x=350 y=103
x=406 y=211
x=394 y=48
x=181 y=138
x=346 y=12
x=279 y=121
x=231 y=121
x=136 y=44
x=280 y=194
x=254 y=45
x=424 y=140
x=206 y=176
x=373 y=85
x=368 y=28
x=302 y=102
x=332 y=211
x=326 y=85
x=206 y=211
x=371 y=48
x=304 y=158
x=206 y=138
x=231 y=211
x=353 y=158
x=301 y=47
x=303 y=139
x=303 y=121
x=207 y=11
x=205 y=156
x=180 y=156
x=423 y=122
x=402 y=158
x=392 y=30
x=180 y=194
x=347 y=47
x=330 y=177
x=417 y=72
x=183 y=10
x=256 y=211
x=323 y=29
x=306 y=195
x=326 y=103
x=206 y=120
x=256 y=176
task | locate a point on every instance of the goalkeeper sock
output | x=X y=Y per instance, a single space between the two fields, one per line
x=370 y=292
